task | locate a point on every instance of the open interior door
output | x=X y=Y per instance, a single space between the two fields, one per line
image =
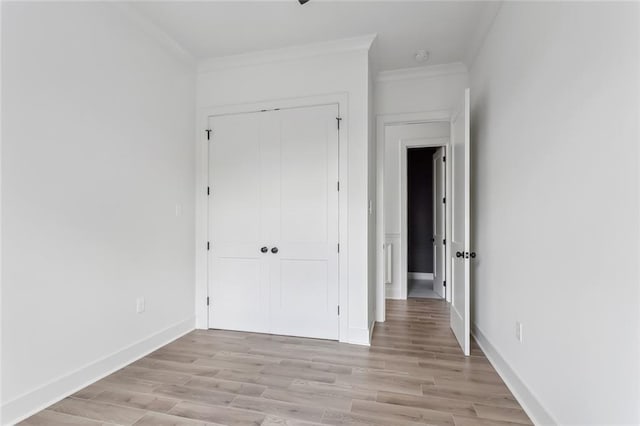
x=460 y=224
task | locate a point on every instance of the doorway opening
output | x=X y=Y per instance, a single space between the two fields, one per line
x=426 y=223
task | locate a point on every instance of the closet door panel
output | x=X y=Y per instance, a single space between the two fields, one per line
x=238 y=270
x=304 y=272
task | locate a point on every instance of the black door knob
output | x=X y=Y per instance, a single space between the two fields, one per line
x=473 y=254
x=274 y=250
x=264 y=249
x=459 y=254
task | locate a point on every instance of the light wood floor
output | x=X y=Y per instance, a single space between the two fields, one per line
x=412 y=374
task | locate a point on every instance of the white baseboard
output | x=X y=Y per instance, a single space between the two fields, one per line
x=359 y=336
x=27 y=404
x=531 y=405
x=392 y=293
x=420 y=275
x=371 y=327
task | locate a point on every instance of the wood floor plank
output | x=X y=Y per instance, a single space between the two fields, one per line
x=306 y=398
x=414 y=373
x=222 y=415
x=157 y=419
x=514 y=415
x=99 y=411
x=213 y=383
x=281 y=409
x=344 y=418
x=136 y=400
x=333 y=390
x=195 y=394
x=475 y=421
x=446 y=405
x=49 y=417
x=396 y=413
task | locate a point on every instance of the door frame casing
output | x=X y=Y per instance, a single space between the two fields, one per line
x=382 y=121
x=440 y=157
x=405 y=144
x=202 y=204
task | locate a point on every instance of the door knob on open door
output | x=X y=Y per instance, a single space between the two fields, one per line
x=264 y=249
x=274 y=250
x=459 y=254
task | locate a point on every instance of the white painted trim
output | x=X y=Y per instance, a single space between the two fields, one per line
x=341 y=99
x=420 y=275
x=381 y=122
x=404 y=231
x=448 y=211
x=359 y=336
x=29 y=403
x=372 y=326
x=416 y=73
x=287 y=54
x=527 y=399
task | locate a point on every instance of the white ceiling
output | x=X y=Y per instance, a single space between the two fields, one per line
x=450 y=31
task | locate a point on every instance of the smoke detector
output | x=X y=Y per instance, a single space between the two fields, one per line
x=421 y=55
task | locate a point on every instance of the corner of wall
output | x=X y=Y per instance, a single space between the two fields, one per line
x=527 y=399
x=38 y=399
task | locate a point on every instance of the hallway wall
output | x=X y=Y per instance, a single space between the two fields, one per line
x=555 y=181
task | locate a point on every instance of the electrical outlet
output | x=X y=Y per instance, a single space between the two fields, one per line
x=140 y=305
x=519 y=331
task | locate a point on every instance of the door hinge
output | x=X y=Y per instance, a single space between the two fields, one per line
x=444 y=283
x=338 y=119
x=338 y=185
x=444 y=242
x=208 y=134
x=208 y=245
x=338 y=310
x=444 y=200
x=207 y=300
x=208 y=190
x=444 y=158
x=338 y=247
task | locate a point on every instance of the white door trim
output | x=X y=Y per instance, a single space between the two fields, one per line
x=381 y=122
x=202 y=179
x=405 y=144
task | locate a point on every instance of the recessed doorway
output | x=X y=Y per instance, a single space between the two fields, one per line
x=425 y=222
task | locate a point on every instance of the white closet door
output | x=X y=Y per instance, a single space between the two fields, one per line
x=238 y=270
x=273 y=177
x=304 y=272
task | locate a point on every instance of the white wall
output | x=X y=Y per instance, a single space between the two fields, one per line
x=97 y=150
x=555 y=180
x=276 y=78
x=424 y=89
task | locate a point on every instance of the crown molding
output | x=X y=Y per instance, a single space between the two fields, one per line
x=288 y=53
x=416 y=73
x=155 y=32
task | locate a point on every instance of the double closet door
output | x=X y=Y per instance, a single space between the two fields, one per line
x=273 y=222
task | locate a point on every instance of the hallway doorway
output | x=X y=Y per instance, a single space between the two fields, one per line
x=425 y=223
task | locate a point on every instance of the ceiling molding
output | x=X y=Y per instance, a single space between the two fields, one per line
x=155 y=32
x=417 y=73
x=288 y=53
